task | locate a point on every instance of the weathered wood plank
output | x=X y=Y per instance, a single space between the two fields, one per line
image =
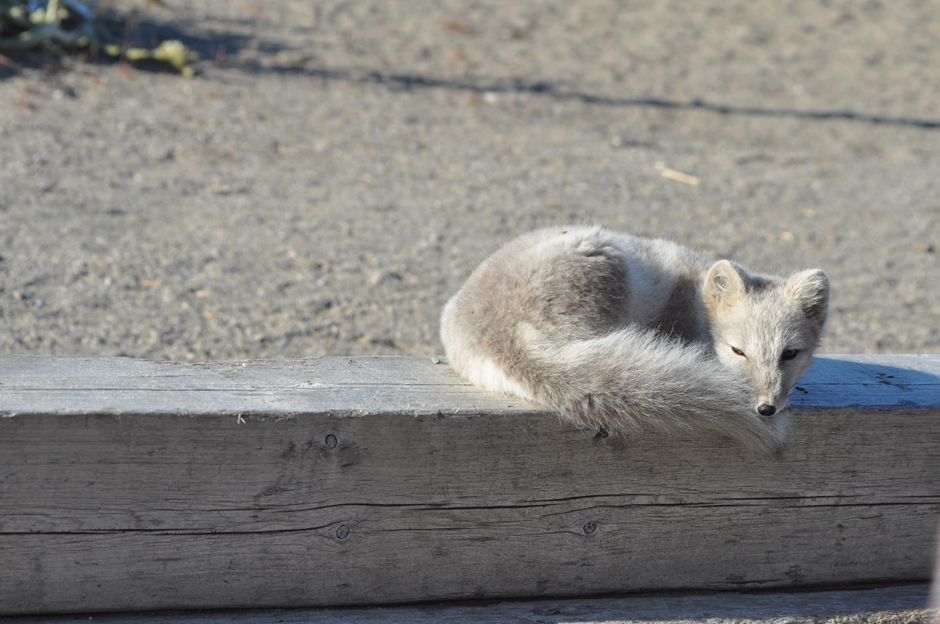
x=377 y=385
x=336 y=481
x=903 y=604
x=339 y=386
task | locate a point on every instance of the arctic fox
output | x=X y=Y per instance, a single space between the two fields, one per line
x=619 y=333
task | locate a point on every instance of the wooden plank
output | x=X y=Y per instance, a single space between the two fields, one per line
x=376 y=385
x=884 y=604
x=129 y=485
x=935 y=587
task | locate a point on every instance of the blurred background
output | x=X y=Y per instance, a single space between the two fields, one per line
x=334 y=170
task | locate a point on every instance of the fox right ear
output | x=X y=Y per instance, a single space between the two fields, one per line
x=724 y=286
x=810 y=289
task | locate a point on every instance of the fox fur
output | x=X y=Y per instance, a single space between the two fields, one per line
x=619 y=334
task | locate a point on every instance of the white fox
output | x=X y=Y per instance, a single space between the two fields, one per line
x=620 y=333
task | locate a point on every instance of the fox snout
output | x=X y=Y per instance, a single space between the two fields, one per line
x=765 y=409
x=772 y=399
x=772 y=390
x=771 y=403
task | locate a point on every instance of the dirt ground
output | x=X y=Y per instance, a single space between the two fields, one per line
x=336 y=169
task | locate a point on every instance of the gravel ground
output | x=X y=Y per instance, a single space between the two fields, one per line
x=336 y=169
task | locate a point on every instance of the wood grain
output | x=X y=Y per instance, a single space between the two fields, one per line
x=128 y=485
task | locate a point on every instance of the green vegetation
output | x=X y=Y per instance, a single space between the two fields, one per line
x=72 y=25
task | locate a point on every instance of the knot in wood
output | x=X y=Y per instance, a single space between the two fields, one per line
x=331 y=441
x=589 y=527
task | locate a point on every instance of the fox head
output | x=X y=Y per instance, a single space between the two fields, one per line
x=766 y=327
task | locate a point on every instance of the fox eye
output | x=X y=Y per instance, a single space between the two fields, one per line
x=789 y=354
x=738 y=351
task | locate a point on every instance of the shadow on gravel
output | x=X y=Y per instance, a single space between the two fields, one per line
x=217 y=48
x=548 y=89
x=149 y=34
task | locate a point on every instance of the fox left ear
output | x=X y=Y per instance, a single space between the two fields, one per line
x=810 y=290
x=724 y=286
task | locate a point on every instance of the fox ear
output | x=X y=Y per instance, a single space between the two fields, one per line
x=724 y=286
x=810 y=290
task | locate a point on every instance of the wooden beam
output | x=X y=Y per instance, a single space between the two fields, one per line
x=131 y=485
x=899 y=603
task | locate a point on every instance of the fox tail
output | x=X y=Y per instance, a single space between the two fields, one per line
x=634 y=379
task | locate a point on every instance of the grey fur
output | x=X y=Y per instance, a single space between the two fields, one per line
x=620 y=333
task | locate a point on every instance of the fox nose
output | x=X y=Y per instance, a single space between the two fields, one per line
x=766 y=410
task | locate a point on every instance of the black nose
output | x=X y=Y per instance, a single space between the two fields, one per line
x=766 y=410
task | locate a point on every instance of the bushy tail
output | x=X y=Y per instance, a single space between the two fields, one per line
x=634 y=379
